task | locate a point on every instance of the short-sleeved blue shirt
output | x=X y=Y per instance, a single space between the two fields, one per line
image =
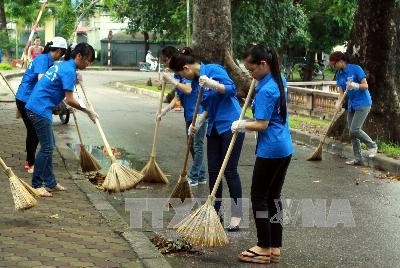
x=188 y=100
x=38 y=66
x=357 y=97
x=50 y=90
x=275 y=141
x=222 y=109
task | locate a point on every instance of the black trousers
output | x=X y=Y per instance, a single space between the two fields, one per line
x=268 y=178
x=32 y=140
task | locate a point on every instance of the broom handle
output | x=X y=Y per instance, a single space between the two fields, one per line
x=6 y=169
x=8 y=85
x=113 y=159
x=333 y=118
x=77 y=127
x=234 y=137
x=190 y=140
x=153 y=149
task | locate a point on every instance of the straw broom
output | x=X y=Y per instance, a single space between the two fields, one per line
x=317 y=154
x=18 y=114
x=151 y=171
x=119 y=178
x=203 y=227
x=23 y=194
x=88 y=162
x=182 y=189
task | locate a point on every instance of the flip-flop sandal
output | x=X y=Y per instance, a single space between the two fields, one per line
x=275 y=257
x=257 y=258
x=43 y=192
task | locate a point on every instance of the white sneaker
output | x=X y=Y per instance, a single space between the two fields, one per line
x=192 y=183
x=372 y=152
x=30 y=169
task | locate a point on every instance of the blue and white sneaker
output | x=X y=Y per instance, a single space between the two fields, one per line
x=203 y=181
x=192 y=183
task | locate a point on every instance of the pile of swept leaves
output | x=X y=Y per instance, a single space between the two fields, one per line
x=169 y=246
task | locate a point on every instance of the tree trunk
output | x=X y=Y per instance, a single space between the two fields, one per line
x=212 y=39
x=3 y=21
x=146 y=44
x=309 y=67
x=375 y=45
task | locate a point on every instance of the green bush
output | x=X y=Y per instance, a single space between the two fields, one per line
x=5 y=66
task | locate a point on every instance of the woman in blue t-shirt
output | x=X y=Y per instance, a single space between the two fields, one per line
x=221 y=108
x=274 y=151
x=352 y=77
x=186 y=92
x=53 y=51
x=56 y=84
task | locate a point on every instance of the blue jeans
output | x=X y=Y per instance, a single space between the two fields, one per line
x=198 y=170
x=43 y=173
x=217 y=146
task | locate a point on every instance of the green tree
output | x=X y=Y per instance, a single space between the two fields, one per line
x=280 y=24
x=329 y=24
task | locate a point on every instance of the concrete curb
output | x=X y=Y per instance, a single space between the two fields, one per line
x=332 y=146
x=147 y=253
x=136 y=90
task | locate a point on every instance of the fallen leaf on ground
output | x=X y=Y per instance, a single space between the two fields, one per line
x=55 y=216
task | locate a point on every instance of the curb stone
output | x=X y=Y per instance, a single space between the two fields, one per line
x=140 y=244
x=332 y=146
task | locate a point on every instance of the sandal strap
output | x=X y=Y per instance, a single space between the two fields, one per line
x=256 y=254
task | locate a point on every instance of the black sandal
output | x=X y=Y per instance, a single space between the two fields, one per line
x=256 y=258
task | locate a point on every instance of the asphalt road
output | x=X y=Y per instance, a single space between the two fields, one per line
x=340 y=193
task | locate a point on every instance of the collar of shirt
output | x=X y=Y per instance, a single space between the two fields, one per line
x=263 y=81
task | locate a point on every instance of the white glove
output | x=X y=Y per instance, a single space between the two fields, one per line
x=192 y=130
x=78 y=78
x=338 y=106
x=92 y=115
x=163 y=112
x=207 y=82
x=239 y=126
x=352 y=85
x=169 y=78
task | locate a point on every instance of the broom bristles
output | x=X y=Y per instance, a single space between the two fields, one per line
x=29 y=188
x=203 y=227
x=88 y=162
x=182 y=189
x=23 y=199
x=317 y=154
x=120 y=178
x=153 y=173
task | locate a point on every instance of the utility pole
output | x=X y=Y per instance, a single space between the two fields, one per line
x=110 y=36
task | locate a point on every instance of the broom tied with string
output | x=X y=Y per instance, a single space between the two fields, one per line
x=317 y=154
x=182 y=189
x=23 y=194
x=119 y=178
x=203 y=227
x=87 y=161
x=152 y=171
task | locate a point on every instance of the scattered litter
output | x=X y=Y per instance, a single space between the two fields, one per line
x=365 y=170
x=316 y=181
x=169 y=246
x=96 y=178
x=389 y=176
x=55 y=216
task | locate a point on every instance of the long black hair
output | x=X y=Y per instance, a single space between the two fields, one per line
x=257 y=53
x=83 y=48
x=48 y=48
x=168 y=51
x=183 y=57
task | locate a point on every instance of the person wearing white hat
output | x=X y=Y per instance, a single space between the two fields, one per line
x=53 y=51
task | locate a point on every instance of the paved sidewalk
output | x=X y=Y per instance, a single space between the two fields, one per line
x=75 y=236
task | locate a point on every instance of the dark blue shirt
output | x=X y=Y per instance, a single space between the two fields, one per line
x=275 y=141
x=50 y=90
x=357 y=97
x=38 y=66
x=222 y=109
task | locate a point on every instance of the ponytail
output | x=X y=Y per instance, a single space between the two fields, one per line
x=47 y=47
x=258 y=53
x=67 y=55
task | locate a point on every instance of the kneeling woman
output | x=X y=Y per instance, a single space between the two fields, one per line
x=56 y=84
x=274 y=151
x=221 y=107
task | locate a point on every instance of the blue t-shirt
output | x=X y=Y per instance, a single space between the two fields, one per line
x=38 y=66
x=275 y=141
x=222 y=109
x=50 y=90
x=188 y=100
x=357 y=97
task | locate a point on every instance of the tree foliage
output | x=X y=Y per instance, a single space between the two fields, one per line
x=272 y=23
